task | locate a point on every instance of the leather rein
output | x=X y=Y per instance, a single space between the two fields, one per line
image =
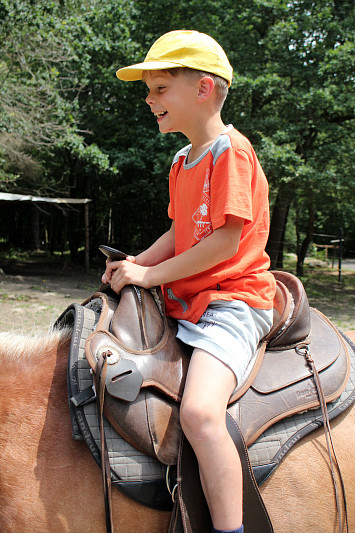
x=333 y=461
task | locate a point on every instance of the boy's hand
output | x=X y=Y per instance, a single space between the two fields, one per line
x=126 y=272
x=111 y=267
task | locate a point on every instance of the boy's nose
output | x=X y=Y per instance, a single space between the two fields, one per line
x=149 y=99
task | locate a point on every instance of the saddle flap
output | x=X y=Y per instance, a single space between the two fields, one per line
x=150 y=423
x=277 y=392
x=282 y=368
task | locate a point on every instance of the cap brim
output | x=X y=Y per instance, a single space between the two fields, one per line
x=135 y=72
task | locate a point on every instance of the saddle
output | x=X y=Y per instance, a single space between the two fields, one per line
x=147 y=366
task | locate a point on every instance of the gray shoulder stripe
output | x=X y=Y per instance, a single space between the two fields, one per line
x=221 y=145
x=183 y=152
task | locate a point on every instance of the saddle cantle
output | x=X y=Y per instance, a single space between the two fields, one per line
x=147 y=365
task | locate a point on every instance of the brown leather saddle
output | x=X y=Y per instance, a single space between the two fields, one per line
x=146 y=367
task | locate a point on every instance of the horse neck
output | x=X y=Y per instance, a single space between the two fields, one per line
x=28 y=361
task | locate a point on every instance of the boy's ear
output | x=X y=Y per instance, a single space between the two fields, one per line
x=206 y=87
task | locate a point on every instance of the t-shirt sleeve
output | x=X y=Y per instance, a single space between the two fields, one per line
x=231 y=191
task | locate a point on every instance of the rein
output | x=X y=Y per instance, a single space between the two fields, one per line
x=333 y=461
x=100 y=379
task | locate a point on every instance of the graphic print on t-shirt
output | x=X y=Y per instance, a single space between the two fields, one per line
x=202 y=217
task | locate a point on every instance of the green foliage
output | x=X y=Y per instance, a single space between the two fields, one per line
x=68 y=127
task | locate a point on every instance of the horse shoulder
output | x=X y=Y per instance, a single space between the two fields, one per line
x=48 y=482
x=300 y=495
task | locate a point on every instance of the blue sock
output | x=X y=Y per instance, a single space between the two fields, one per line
x=239 y=530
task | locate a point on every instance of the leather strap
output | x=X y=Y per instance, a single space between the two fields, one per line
x=100 y=379
x=175 y=524
x=193 y=506
x=334 y=465
x=255 y=515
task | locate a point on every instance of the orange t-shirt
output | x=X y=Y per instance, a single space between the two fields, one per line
x=226 y=180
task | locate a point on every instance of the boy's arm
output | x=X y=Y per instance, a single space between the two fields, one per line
x=162 y=249
x=220 y=246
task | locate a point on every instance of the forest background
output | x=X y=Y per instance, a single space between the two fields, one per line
x=69 y=128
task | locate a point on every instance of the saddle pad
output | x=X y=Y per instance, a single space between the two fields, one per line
x=142 y=477
x=136 y=474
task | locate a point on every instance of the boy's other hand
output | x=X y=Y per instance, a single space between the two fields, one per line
x=111 y=267
x=126 y=272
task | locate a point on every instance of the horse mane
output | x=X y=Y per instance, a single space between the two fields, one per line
x=16 y=346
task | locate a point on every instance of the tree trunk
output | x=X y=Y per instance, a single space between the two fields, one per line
x=302 y=251
x=278 y=223
x=280 y=257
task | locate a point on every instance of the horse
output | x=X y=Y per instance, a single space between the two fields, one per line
x=50 y=483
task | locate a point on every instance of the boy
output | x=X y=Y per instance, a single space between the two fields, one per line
x=211 y=263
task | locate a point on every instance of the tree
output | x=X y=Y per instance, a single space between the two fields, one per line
x=41 y=78
x=33 y=113
x=312 y=55
x=78 y=131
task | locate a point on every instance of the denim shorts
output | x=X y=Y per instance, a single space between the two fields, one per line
x=230 y=331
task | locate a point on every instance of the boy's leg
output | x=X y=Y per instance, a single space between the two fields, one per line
x=209 y=385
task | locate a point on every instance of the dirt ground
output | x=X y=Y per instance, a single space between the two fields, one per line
x=337 y=301
x=31 y=301
x=32 y=296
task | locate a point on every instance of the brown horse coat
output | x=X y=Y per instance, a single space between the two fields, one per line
x=50 y=484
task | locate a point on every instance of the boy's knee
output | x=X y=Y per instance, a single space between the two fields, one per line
x=198 y=420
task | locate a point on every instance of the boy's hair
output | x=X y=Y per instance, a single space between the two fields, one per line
x=221 y=85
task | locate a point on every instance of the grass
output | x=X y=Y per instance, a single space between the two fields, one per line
x=15 y=297
x=335 y=299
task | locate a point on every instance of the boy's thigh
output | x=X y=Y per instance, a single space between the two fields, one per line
x=209 y=382
x=229 y=331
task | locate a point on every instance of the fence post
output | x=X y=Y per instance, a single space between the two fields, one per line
x=87 y=239
x=340 y=252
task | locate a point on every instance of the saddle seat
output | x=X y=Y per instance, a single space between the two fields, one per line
x=147 y=366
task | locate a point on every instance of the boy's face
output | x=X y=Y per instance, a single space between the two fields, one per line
x=172 y=99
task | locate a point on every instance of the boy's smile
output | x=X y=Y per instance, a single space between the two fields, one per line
x=160 y=116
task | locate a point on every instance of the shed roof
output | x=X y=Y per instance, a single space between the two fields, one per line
x=9 y=197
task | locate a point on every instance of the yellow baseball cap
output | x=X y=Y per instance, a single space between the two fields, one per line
x=182 y=48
